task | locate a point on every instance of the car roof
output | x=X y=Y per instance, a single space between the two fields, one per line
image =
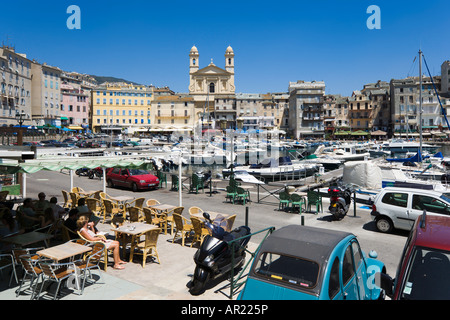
x=402 y=189
x=309 y=243
x=435 y=233
x=304 y=241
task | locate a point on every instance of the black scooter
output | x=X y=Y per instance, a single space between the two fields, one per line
x=340 y=200
x=214 y=258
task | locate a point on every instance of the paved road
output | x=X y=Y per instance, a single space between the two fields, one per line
x=389 y=247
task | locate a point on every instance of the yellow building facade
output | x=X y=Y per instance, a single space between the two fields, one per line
x=121 y=107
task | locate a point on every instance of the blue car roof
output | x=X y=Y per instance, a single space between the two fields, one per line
x=309 y=243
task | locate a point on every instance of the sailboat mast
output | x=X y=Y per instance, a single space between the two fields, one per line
x=420 y=103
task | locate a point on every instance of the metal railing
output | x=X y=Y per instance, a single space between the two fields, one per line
x=236 y=282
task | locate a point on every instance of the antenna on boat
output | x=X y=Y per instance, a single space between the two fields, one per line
x=420 y=101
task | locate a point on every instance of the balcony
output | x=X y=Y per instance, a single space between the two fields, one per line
x=164 y=117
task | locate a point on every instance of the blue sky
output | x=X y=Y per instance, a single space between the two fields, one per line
x=274 y=41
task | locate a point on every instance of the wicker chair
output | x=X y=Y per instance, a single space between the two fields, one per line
x=147 y=246
x=111 y=209
x=152 y=202
x=134 y=214
x=182 y=226
x=67 y=199
x=199 y=231
x=195 y=210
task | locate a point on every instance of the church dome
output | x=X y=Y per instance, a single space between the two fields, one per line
x=194 y=49
x=229 y=50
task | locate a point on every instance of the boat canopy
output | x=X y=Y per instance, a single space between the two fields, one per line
x=416 y=158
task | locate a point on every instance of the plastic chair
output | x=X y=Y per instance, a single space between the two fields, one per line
x=181 y=226
x=241 y=194
x=314 y=198
x=285 y=201
x=55 y=272
x=199 y=231
x=231 y=193
x=147 y=246
x=299 y=201
x=175 y=183
x=197 y=183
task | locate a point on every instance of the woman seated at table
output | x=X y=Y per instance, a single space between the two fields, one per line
x=90 y=235
x=9 y=226
x=28 y=218
x=47 y=218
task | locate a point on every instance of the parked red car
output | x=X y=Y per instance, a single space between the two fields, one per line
x=136 y=179
x=423 y=272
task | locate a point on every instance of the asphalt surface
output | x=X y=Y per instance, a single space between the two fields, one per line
x=169 y=280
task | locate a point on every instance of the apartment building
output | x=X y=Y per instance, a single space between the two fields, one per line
x=75 y=104
x=118 y=107
x=379 y=96
x=15 y=87
x=46 y=94
x=173 y=113
x=405 y=102
x=306 y=110
x=445 y=79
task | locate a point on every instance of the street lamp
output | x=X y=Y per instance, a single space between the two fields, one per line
x=20 y=117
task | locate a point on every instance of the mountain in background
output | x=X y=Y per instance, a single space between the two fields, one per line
x=102 y=79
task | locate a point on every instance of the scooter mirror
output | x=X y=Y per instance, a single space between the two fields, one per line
x=206 y=215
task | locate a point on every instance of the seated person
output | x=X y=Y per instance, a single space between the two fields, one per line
x=28 y=216
x=47 y=218
x=58 y=211
x=9 y=227
x=41 y=204
x=83 y=209
x=71 y=222
x=88 y=233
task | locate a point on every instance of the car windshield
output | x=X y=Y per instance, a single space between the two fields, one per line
x=428 y=277
x=290 y=270
x=137 y=172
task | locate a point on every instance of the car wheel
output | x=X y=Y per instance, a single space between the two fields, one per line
x=134 y=187
x=384 y=224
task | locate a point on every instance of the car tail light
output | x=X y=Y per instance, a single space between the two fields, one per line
x=374 y=208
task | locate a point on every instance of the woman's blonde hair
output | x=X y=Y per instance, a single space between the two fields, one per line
x=82 y=221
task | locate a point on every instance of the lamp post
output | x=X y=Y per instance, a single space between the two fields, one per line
x=20 y=117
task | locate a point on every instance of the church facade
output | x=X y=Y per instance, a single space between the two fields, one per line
x=210 y=83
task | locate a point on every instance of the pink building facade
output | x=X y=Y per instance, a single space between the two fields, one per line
x=75 y=103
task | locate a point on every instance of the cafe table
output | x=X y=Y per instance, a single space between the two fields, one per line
x=164 y=208
x=25 y=239
x=64 y=251
x=134 y=230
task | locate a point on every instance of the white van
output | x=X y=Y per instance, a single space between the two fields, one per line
x=145 y=142
x=400 y=207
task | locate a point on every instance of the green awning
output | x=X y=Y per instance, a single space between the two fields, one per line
x=35 y=165
x=359 y=133
x=64 y=118
x=342 y=133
